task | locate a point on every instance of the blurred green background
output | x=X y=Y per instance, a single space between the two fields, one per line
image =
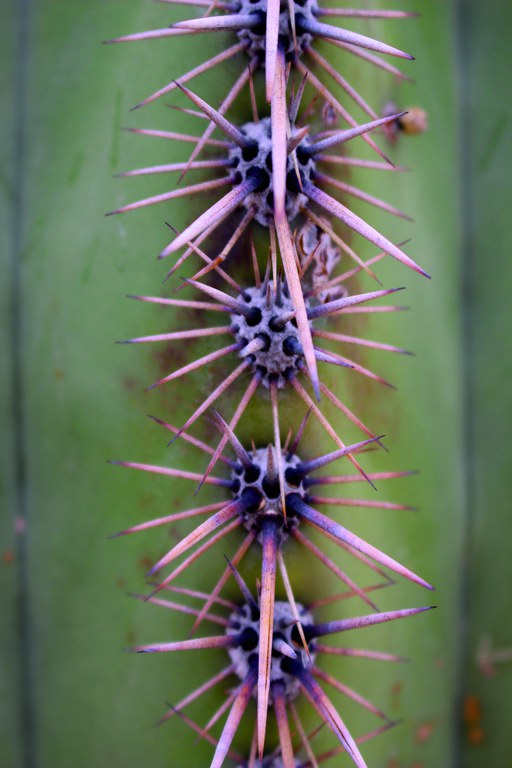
x=71 y=399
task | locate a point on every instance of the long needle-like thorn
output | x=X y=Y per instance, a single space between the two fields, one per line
x=327 y=525
x=277 y=443
x=283 y=728
x=294 y=285
x=361 y=227
x=242 y=699
x=271 y=46
x=291 y=599
x=267 y=600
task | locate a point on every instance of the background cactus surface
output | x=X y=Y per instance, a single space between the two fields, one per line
x=71 y=400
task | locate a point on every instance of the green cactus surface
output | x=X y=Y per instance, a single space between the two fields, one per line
x=71 y=399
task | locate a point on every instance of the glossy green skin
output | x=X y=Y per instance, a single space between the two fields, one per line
x=79 y=399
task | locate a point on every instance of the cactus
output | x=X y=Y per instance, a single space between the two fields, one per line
x=71 y=692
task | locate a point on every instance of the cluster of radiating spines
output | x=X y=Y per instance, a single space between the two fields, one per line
x=276 y=660
x=294 y=639
x=275 y=33
x=257 y=171
x=274 y=175
x=267 y=29
x=276 y=180
x=272 y=499
x=266 y=346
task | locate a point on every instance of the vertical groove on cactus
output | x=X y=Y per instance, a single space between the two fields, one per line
x=15 y=174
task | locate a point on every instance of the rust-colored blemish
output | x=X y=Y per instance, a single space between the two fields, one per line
x=145 y=500
x=393 y=763
x=396 y=693
x=121 y=582
x=424 y=732
x=145 y=563
x=472 y=714
x=130 y=384
x=7 y=557
x=472 y=711
x=172 y=357
x=59 y=374
x=210 y=431
x=476 y=735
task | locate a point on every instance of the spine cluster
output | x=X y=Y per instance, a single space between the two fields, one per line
x=276 y=265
